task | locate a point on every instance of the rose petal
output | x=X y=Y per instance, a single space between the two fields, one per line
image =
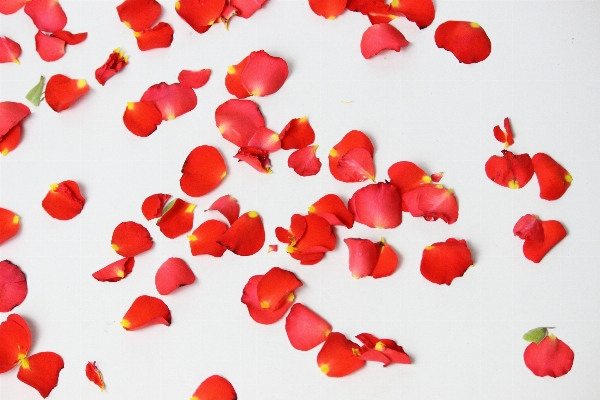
x=238 y=120
x=15 y=341
x=9 y=224
x=94 y=375
x=551 y=357
x=146 y=311
x=328 y=8
x=204 y=239
x=466 y=40
x=305 y=162
x=70 y=38
x=194 y=79
x=173 y=274
x=199 y=14
x=256 y=158
x=139 y=14
x=554 y=232
x=529 y=227
x=348 y=163
x=275 y=287
x=443 y=261
x=177 y=219
x=339 y=356
x=387 y=262
x=130 y=239
x=116 y=62
x=318 y=237
x=9 y=50
x=8 y=7
x=257 y=313
x=228 y=206
x=203 y=170
x=153 y=205
x=246 y=236
x=265 y=139
x=159 y=36
x=297 y=134
x=363 y=256
x=381 y=37
x=11 y=114
x=432 y=202
x=377 y=205
x=504 y=136
x=512 y=171
x=10 y=140
x=264 y=74
x=49 y=48
x=41 y=370
x=333 y=210
x=116 y=271
x=553 y=179
x=368 y=6
x=245 y=8
x=233 y=79
x=62 y=91
x=142 y=118
x=171 y=100
x=47 y=15
x=421 y=12
x=215 y=387
x=13 y=286
x=305 y=329
x=63 y=201
x=382 y=350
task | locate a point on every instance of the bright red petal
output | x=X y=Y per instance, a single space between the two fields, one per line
x=512 y=171
x=8 y=7
x=305 y=329
x=377 y=205
x=554 y=232
x=203 y=170
x=228 y=206
x=199 y=14
x=233 y=80
x=339 y=356
x=159 y=36
x=432 y=202
x=41 y=370
x=139 y=14
x=142 y=118
x=328 y=8
x=9 y=224
x=264 y=74
x=246 y=236
x=504 y=136
x=349 y=164
x=115 y=271
x=318 y=237
x=551 y=357
x=382 y=350
x=305 y=162
x=11 y=114
x=333 y=210
x=529 y=226
x=10 y=140
x=13 y=286
x=9 y=50
x=173 y=274
x=63 y=201
x=297 y=134
x=421 y=12
x=130 y=239
x=443 y=261
x=246 y=8
x=256 y=158
x=146 y=311
x=70 y=38
x=466 y=40
x=405 y=175
x=215 y=387
x=238 y=120
x=265 y=139
x=274 y=288
x=171 y=100
x=381 y=37
x=117 y=60
x=62 y=91
x=15 y=341
x=204 y=239
x=94 y=375
x=47 y=15
x=153 y=205
x=368 y=6
x=49 y=48
x=178 y=219
x=257 y=313
x=553 y=179
x=194 y=79
x=387 y=263
x=363 y=256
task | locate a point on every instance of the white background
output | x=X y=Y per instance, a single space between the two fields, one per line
x=419 y=105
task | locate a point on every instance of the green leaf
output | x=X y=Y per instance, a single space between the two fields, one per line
x=168 y=206
x=35 y=94
x=536 y=335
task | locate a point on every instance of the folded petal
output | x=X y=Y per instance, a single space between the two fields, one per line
x=328 y=8
x=41 y=370
x=387 y=262
x=553 y=179
x=49 y=48
x=153 y=205
x=62 y=91
x=130 y=239
x=115 y=271
x=274 y=288
x=551 y=357
x=233 y=79
x=9 y=50
x=8 y=7
x=199 y=13
x=377 y=205
x=47 y=15
x=204 y=239
x=381 y=37
x=305 y=329
x=139 y=14
x=466 y=40
x=264 y=74
x=238 y=120
x=333 y=210
x=13 y=286
x=70 y=38
x=421 y=12
x=11 y=114
x=94 y=375
x=297 y=134
x=173 y=274
x=178 y=218
x=203 y=170
x=529 y=226
x=431 y=202
x=257 y=313
x=10 y=140
x=351 y=160
x=15 y=341
x=510 y=170
x=256 y=158
x=265 y=139
x=382 y=350
x=146 y=311
x=9 y=224
x=443 y=261
x=295 y=233
x=171 y=100
x=504 y=136
x=554 y=232
x=304 y=161
x=318 y=236
x=246 y=8
x=117 y=60
x=63 y=201
x=228 y=206
x=246 y=236
x=194 y=79
x=142 y=118
x=339 y=356
x=215 y=387
x=363 y=256
x=159 y=36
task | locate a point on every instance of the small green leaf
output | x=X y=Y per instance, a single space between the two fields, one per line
x=35 y=94
x=168 y=206
x=536 y=335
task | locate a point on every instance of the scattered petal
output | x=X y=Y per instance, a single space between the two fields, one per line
x=47 y=15
x=529 y=226
x=246 y=236
x=41 y=370
x=35 y=94
x=504 y=136
x=466 y=40
x=238 y=120
x=432 y=202
x=63 y=201
x=329 y=9
x=9 y=224
x=368 y=6
x=551 y=357
x=94 y=375
x=49 y=48
x=265 y=139
x=146 y=311
x=11 y=114
x=194 y=79
x=512 y=171
x=173 y=274
x=116 y=271
x=387 y=263
x=177 y=219
x=233 y=80
x=339 y=356
x=421 y=12
x=309 y=238
x=304 y=161
x=256 y=158
x=333 y=210
x=15 y=341
x=159 y=36
x=142 y=118
x=203 y=170
x=297 y=134
x=377 y=205
x=264 y=74
x=245 y=8
x=199 y=14
x=351 y=160
x=117 y=60
x=215 y=387
x=153 y=205
x=204 y=239
x=363 y=256
x=62 y=91
x=382 y=350
x=9 y=50
x=70 y=38
x=171 y=100
x=139 y=14
x=130 y=239
x=228 y=206
x=305 y=329
x=10 y=140
x=257 y=313
x=13 y=286
x=405 y=175
x=554 y=232
x=274 y=288
x=381 y=37
x=443 y=261
x=553 y=179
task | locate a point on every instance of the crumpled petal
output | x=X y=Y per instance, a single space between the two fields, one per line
x=238 y=120
x=553 y=179
x=351 y=160
x=130 y=239
x=554 y=232
x=11 y=114
x=9 y=50
x=9 y=224
x=171 y=100
x=264 y=74
x=115 y=271
x=203 y=170
x=194 y=79
x=215 y=387
x=15 y=341
x=139 y=14
x=117 y=60
x=178 y=218
x=246 y=236
x=153 y=205
x=529 y=226
x=159 y=36
x=339 y=356
x=297 y=134
x=431 y=202
x=142 y=118
x=94 y=375
x=310 y=237
x=146 y=311
x=274 y=288
x=41 y=370
x=204 y=239
x=466 y=40
x=305 y=162
x=305 y=329
x=47 y=15
x=443 y=261
x=228 y=206
x=173 y=274
x=382 y=350
x=64 y=200
x=510 y=170
x=333 y=210
x=504 y=136
x=257 y=313
x=62 y=91
x=381 y=37
x=49 y=48
x=13 y=286
x=256 y=158
x=377 y=205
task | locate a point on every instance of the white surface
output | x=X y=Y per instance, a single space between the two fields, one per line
x=419 y=105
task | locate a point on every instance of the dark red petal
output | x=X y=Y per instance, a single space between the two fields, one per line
x=41 y=370
x=512 y=171
x=49 y=48
x=228 y=206
x=421 y=12
x=466 y=40
x=256 y=158
x=339 y=356
x=381 y=37
x=70 y=38
x=63 y=201
x=9 y=224
x=15 y=341
x=257 y=313
x=246 y=8
x=328 y=8
x=115 y=271
x=305 y=329
x=171 y=100
x=377 y=205
x=10 y=140
x=554 y=232
x=11 y=114
x=159 y=36
x=62 y=91
x=246 y=236
x=274 y=288
x=553 y=179
x=363 y=256
x=142 y=118
x=297 y=134
x=199 y=13
x=178 y=219
x=504 y=136
x=153 y=205
x=233 y=80
x=238 y=120
x=94 y=375
x=432 y=202
x=9 y=50
x=13 y=286
x=333 y=210
x=146 y=311
x=116 y=62
x=265 y=139
x=194 y=79
x=529 y=226
x=443 y=261
x=264 y=74
x=215 y=387
x=356 y=167
x=139 y=14
x=8 y=7
x=130 y=239
x=204 y=238
x=552 y=357
x=47 y=15
x=305 y=162
x=203 y=170
x=387 y=263
x=173 y=274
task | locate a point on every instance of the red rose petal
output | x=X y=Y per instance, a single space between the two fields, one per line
x=63 y=201
x=421 y=12
x=553 y=179
x=177 y=219
x=264 y=74
x=256 y=158
x=272 y=248
x=159 y=36
x=305 y=162
x=275 y=287
x=153 y=205
x=265 y=139
x=142 y=118
x=9 y=50
x=47 y=15
x=146 y=311
x=348 y=163
x=512 y=171
x=339 y=356
x=363 y=256
x=377 y=18
x=203 y=170
x=432 y=202
x=246 y=236
x=204 y=239
x=387 y=262
x=443 y=261
x=554 y=232
x=466 y=40
x=49 y=48
x=257 y=313
x=238 y=120
x=171 y=100
x=130 y=239
x=504 y=136
x=139 y=14
x=215 y=387
x=8 y=7
x=9 y=224
x=317 y=238
x=94 y=375
x=246 y=8
x=297 y=229
x=328 y=8
x=15 y=341
x=381 y=37
x=228 y=206
x=62 y=91
x=529 y=226
x=41 y=370
x=194 y=79
x=368 y=6
x=116 y=271
x=11 y=114
x=382 y=350
x=70 y=38
x=551 y=357
x=377 y=205
x=10 y=140
x=116 y=62
x=199 y=13
x=13 y=286
x=332 y=208
x=305 y=329
x=173 y=274
x=297 y=134
x=233 y=80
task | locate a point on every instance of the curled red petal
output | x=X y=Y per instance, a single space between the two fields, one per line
x=305 y=329
x=554 y=232
x=504 y=136
x=510 y=170
x=421 y=12
x=381 y=37
x=274 y=288
x=466 y=40
x=265 y=139
x=40 y=371
x=9 y=224
x=238 y=120
x=116 y=62
x=233 y=79
x=387 y=262
x=349 y=164
x=115 y=271
x=297 y=134
x=153 y=205
x=377 y=205
x=264 y=74
x=146 y=311
x=11 y=114
x=257 y=313
x=339 y=356
x=9 y=50
x=553 y=179
x=171 y=100
x=8 y=7
x=318 y=236
x=203 y=170
x=139 y=14
x=49 y=48
x=332 y=208
x=130 y=239
x=245 y=8
x=199 y=14
x=142 y=118
x=159 y=36
x=305 y=162
x=94 y=375
x=329 y=9
x=443 y=261
x=70 y=38
x=13 y=286
x=228 y=206
x=173 y=274
x=62 y=91
x=256 y=158
x=551 y=357
x=215 y=387
x=64 y=200
x=10 y=140
x=194 y=79
x=15 y=341
x=204 y=239
x=178 y=219
x=47 y=15
x=529 y=226
x=363 y=256
x=386 y=351
x=246 y=236
x=432 y=202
